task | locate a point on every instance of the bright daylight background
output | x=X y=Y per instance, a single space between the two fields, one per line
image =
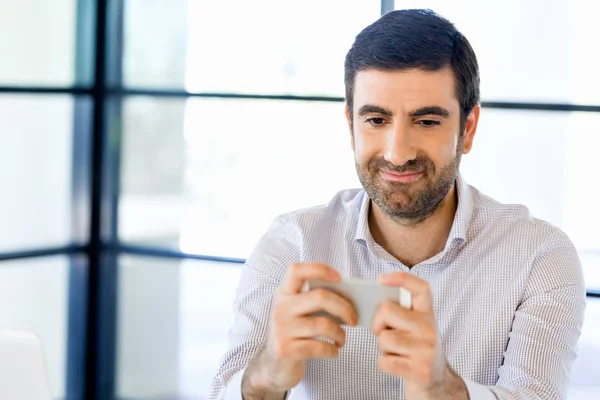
x=207 y=175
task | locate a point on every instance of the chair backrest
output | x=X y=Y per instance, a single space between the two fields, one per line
x=22 y=368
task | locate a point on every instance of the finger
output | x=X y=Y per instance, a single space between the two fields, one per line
x=312 y=327
x=323 y=300
x=390 y=315
x=420 y=290
x=396 y=365
x=305 y=349
x=392 y=342
x=300 y=272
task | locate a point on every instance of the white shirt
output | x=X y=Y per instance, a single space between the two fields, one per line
x=508 y=293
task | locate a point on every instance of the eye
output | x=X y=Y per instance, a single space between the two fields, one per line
x=375 y=121
x=428 y=123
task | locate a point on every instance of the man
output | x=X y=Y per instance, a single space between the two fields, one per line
x=498 y=296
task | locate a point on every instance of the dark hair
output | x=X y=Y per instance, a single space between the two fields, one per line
x=407 y=39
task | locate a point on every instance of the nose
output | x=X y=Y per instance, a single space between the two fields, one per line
x=399 y=146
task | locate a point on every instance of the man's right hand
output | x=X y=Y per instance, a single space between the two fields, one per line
x=279 y=365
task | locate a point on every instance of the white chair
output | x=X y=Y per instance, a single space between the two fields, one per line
x=22 y=369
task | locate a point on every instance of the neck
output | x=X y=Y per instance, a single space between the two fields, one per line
x=414 y=243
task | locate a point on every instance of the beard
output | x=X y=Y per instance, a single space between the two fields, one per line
x=413 y=202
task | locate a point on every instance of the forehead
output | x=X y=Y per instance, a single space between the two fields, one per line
x=405 y=88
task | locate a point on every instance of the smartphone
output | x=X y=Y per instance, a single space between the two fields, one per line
x=365 y=295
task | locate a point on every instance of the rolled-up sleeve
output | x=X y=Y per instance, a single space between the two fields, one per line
x=261 y=276
x=546 y=328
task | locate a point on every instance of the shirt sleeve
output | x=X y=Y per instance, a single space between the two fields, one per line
x=261 y=275
x=547 y=325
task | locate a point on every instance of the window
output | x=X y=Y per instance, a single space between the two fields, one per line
x=263 y=47
x=534 y=51
x=36 y=164
x=35 y=293
x=174 y=316
x=38 y=42
x=200 y=175
x=136 y=178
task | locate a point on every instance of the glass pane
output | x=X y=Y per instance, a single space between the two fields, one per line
x=173 y=321
x=263 y=46
x=36 y=162
x=209 y=175
x=585 y=380
x=37 y=42
x=37 y=291
x=538 y=58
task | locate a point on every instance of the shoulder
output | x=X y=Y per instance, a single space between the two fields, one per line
x=291 y=233
x=345 y=205
x=546 y=250
x=499 y=219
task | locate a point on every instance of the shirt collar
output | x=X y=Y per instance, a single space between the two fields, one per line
x=462 y=218
x=464 y=210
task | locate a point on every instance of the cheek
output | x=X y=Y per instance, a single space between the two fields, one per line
x=443 y=152
x=365 y=148
x=359 y=148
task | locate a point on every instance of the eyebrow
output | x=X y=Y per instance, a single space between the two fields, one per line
x=369 y=108
x=430 y=110
x=419 y=112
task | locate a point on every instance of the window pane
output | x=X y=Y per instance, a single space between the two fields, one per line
x=36 y=291
x=537 y=50
x=37 y=42
x=36 y=162
x=209 y=175
x=585 y=377
x=263 y=46
x=543 y=160
x=173 y=321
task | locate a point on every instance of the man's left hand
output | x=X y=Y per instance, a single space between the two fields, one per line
x=410 y=344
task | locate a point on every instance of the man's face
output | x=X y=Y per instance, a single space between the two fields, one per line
x=406 y=139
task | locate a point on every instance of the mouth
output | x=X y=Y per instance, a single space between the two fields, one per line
x=398 y=177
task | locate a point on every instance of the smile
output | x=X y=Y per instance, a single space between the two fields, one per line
x=404 y=178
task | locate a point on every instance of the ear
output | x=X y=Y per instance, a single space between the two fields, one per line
x=471 y=128
x=349 y=120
